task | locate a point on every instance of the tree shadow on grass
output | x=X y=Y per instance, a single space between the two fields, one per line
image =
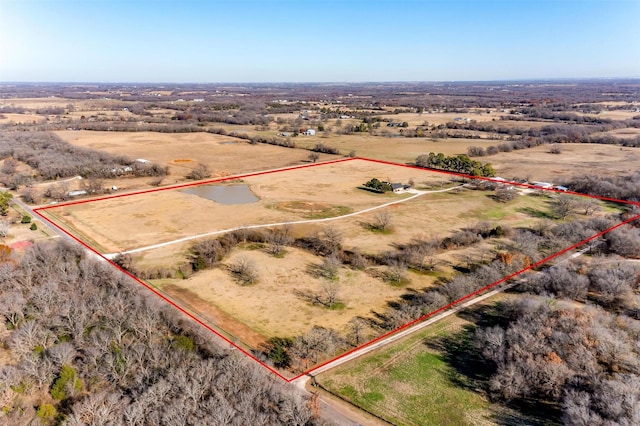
x=471 y=372
x=537 y=213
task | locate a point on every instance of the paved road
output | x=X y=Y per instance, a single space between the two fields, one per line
x=28 y=209
x=416 y=193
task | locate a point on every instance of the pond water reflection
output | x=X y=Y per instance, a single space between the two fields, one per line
x=232 y=194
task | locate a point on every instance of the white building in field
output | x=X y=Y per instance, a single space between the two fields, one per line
x=545 y=185
x=309 y=132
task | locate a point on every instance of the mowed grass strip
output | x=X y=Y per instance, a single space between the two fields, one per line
x=410 y=384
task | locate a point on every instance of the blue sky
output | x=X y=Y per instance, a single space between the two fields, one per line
x=316 y=41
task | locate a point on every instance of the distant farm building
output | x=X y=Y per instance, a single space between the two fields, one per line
x=309 y=132
x=545 y=185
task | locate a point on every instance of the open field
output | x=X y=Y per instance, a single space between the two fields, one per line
x=126 y=223
x=266 y=306
x=410 y=383
x=626 y=133
x=437 y=118
x=575 y=159
x=182 y=152
x=275 y=305
x=536 y=162
x=21 y=118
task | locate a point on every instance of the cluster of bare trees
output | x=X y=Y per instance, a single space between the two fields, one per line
x=88 y=347
x=623 y=187
x=583 y=359
x=610 y=283
x=54 y=158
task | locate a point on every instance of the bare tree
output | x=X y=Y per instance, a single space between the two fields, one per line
x=245 y=271
x=200 y=172
x=328 y=295
x=333 y=238
x=5 y=228
x=357 y=327
x=381 y=221
x=505 y=194
x=563 y=206
x=93 y=185
x=30 y=195
x=278 y=238
x=330 y=267
x=397 y=273
x=313 y=157
x=555 y=149
x=588 y=206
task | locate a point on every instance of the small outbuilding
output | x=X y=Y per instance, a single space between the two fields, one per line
x=399 y=188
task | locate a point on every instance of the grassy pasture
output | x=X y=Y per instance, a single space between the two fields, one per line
x=409 y=383
x=182 y=152
x=274 y=306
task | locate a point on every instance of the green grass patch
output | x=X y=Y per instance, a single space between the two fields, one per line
x=338 y=306
x=376 y=230
x=408 y=384
x=310 y=210
x=614 y=208
x=333 y=211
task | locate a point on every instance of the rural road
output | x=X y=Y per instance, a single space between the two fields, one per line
x=416 y=193
x=29 y=210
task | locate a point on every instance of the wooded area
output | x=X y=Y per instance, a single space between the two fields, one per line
x=85 y=345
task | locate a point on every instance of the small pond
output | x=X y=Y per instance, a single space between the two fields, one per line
x=232 y=194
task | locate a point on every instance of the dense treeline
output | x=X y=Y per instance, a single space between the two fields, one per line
x=582 y=361
x=452 y=96
x=459 y=163
x=607 y=282
x=54 y=158
x=624 y=187
x=521 y=138
x=84 y=345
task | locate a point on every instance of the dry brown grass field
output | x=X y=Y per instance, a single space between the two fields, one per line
x=273 y=305
x=626 y=133
x=21 y=118
x=575 y=159
x=182 y=152
x=129 y=222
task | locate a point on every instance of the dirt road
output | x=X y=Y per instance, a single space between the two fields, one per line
x=416 y=193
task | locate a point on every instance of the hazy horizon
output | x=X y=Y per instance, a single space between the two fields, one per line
x=327 y=83
x=287 y=41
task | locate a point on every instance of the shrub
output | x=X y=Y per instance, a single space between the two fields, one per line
x=277 y=350
x=25 y=219
x=46 y=412
x=67 y=380
x=555 y=149
x=183 y=343
x=33 y=227
x=476 y=151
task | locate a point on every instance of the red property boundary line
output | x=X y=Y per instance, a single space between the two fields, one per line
x=266 y=172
